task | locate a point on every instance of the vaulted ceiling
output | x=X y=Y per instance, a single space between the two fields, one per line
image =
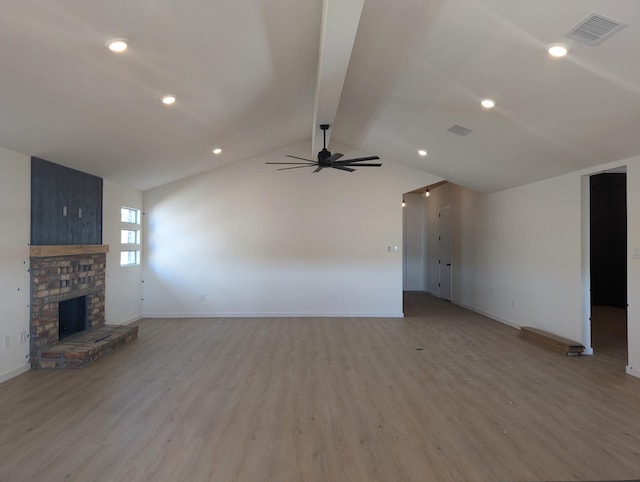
x=252 y=76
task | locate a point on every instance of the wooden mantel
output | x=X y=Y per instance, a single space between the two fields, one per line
x=67 y=250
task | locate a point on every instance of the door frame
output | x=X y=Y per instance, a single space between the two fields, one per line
x=585 y=202
x=585 y=215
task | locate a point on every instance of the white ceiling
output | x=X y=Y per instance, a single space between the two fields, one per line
x=252 y=76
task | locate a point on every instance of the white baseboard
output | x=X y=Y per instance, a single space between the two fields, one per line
x=588 y=351
x=15 y=372
x=633 y=371
x=126 y=322
x=274 y=315
x=488 y=315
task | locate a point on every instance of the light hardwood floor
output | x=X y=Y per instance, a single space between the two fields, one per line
x=325 y=399
x=609 y=331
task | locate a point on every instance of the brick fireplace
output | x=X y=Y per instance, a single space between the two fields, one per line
x=60 y=273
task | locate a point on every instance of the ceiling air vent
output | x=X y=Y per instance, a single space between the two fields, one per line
x=461 y=131
x=595 y=29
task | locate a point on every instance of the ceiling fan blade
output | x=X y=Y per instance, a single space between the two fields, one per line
x=295 y=167
x=334 y=157
x=318 y=169
x=342 y=168
x=305 y=164
x=359 y=159
x=301 y=158
x=358 y=165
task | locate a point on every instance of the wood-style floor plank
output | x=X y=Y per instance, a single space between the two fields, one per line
x=325 y=399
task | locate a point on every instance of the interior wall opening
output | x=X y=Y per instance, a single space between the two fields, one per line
x=608 y=263
x=418 y=228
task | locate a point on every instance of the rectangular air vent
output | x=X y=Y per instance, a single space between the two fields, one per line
x=595 y=29
x=461 y=131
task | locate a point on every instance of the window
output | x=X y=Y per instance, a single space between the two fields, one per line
x=129 y=257
x=129 y=236
x=130 y=215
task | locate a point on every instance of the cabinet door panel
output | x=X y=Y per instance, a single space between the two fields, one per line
x=57 y=196
x=89 y=227
x=48 y=223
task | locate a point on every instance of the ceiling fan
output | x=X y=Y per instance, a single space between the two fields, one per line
x=326 y=159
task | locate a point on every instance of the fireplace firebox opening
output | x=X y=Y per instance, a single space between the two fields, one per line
x=72 y=316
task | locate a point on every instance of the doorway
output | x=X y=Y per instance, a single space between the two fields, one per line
x=608 y=263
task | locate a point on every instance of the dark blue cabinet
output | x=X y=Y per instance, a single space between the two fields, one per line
x=66 y=205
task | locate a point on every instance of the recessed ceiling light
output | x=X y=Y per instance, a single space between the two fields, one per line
x=169 y=99
x=217 y=151
x=422 y=152
x=117 y=44
x=558 y=50
x=487 y=103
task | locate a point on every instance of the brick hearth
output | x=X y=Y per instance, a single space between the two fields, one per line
x=80 y=349
x=60 y=273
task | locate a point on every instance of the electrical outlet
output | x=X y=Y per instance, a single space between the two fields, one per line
x=24 y=336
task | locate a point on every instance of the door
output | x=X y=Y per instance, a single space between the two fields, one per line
x=444 y=252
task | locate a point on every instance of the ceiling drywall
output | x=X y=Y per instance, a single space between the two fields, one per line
x=256 y=75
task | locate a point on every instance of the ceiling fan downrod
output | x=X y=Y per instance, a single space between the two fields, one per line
x=324 y=154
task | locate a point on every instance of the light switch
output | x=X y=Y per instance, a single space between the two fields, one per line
x=636 y=253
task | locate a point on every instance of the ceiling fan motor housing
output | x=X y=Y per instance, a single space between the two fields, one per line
x=323 y=155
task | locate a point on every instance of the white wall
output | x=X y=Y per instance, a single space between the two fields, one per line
x=518 y=253
x=123 y=303
x=246 y=240
x=526 y=268
x=414 y=249
x=470 y=222
x=15 y=215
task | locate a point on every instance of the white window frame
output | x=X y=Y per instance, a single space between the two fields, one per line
x=131 y=226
